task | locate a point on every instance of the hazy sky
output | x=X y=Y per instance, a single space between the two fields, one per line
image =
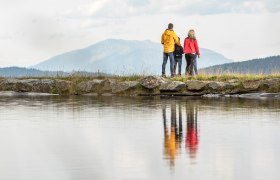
x=34 y=30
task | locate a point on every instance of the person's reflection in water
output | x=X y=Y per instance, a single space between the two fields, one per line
x=192 y=138
x=172 y=137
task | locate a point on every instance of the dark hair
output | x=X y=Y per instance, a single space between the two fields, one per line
x=170 y=26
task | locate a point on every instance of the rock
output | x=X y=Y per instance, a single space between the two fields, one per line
x=233 y=81
x=231 y=95
x=27 y=85
x=173 y=93
x=107 y=94
x=194 y=85
x=271 y=82
x=256 y=95
x=8 y=84
x=1 y=84
x=33 y=85
x=89 y=86
x=121 y=87
x=62 y=87
x=13 y=93
x=270 y=95
x=150 y=85
x=173 y=86
x=91 y=94
x=216 y=85
x=106 y=85
x=251 y=84
x=225 y=87
x=230 y=86
x=152 y=82
x=7 y=93
x=10 y=81
x=249 y=95
x=43 y=86
x=271 y=85
x=213 y=95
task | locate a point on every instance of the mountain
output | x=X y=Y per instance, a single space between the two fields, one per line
x=26 y=72
x=268 y=65
x=21 y=72
x=117 y=56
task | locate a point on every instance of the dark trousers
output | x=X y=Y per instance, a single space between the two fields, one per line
x=195 y=65
x=165 y=58
x=190 y=63
x=178 y=60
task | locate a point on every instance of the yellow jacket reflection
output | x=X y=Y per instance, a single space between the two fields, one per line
x=172 y=137
x=171 y=146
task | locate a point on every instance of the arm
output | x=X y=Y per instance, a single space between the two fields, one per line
x=181 y=50
x=176 y=39
x=196 y=48
x=162 y=39
x=185 y=44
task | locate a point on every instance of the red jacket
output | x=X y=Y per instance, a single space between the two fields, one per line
x=191 y=46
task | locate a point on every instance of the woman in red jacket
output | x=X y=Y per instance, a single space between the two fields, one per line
x=191 y=50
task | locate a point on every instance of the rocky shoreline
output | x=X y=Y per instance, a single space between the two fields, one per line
x=147 y=86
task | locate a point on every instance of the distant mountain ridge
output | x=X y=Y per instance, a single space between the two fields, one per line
x=115 y=56
x=23 y=72
x=268 y=65
x=12 y=72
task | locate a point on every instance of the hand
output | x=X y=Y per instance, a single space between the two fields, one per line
x=198 y=56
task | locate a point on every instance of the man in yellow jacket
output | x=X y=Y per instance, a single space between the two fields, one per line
x=169 y=39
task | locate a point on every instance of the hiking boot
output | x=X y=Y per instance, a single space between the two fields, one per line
x=163 y=75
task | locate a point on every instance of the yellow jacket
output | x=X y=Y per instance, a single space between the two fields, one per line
x=169 y=39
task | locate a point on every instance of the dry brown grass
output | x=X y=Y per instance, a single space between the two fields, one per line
x=202 y=77
x=227 y=77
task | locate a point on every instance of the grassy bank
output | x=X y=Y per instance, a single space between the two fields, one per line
x=227 y=77
x=72 y=84
x=203 y=77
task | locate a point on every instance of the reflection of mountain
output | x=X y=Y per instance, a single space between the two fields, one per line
x=116 y=56
x=173 y=133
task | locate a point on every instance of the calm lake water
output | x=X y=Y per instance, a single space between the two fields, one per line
x=118 y=138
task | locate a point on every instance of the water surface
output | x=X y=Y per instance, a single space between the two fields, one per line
x=83 y=138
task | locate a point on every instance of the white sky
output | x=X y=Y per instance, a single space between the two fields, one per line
x=34 y=30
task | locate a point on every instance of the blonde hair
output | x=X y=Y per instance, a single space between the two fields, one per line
x=191 y=34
